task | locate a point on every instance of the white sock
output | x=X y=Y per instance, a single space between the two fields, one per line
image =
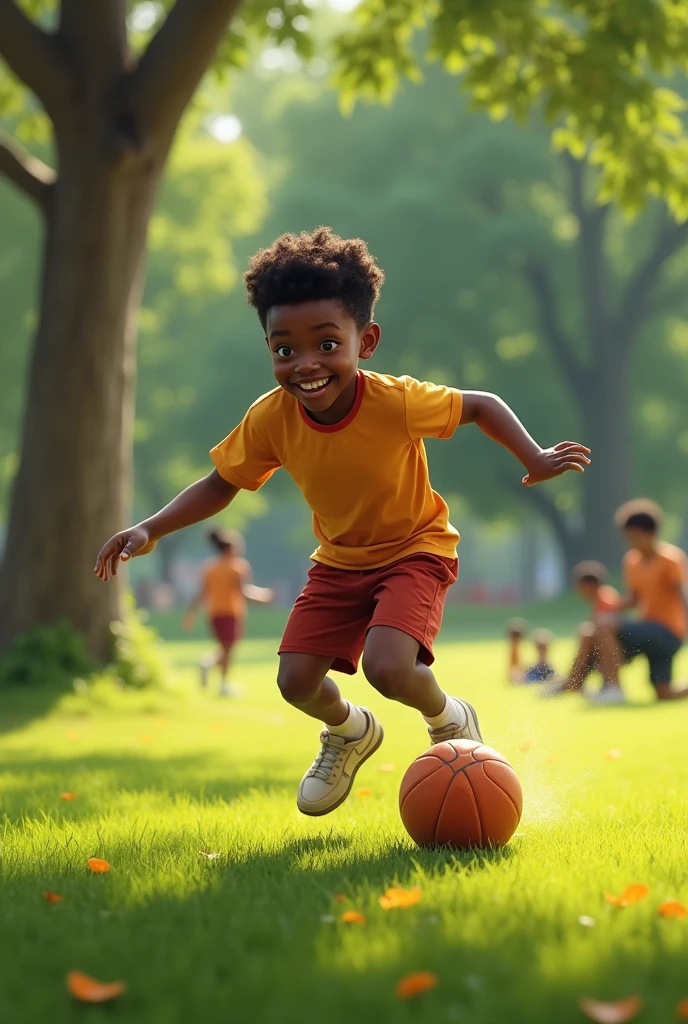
x=453 y=714
x=353 y=726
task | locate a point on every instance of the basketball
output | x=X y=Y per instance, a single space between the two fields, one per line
x=461 y=794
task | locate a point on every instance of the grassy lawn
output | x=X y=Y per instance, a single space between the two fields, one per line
x=253 y=935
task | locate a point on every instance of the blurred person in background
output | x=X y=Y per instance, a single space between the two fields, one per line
x=541 y=671
x=656 y=577
x=225 y=589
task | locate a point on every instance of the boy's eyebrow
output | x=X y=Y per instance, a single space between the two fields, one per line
x=284 y=333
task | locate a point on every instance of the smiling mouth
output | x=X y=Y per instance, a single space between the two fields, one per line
x=313 y=387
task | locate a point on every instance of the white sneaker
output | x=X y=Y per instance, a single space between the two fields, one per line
x=230 y=690
x=329 y=780
x=454 y=731
x=555 y=688
x=607 y=696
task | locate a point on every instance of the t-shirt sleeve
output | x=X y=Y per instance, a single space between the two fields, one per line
x=245 y=459
x=432 y=410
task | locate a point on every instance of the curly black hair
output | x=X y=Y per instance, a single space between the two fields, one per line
x=315 y=265
x=590 y=572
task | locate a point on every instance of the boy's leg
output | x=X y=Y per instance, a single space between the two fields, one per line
x=351 y=736
x=585 y=661
x=391 y=665
x=613 y=651
x=516 y=630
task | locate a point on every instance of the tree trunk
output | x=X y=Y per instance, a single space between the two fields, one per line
x=606 y=411
x=76 y=438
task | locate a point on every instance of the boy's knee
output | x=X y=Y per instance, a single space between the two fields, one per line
x=297 y=682
x=387 y=673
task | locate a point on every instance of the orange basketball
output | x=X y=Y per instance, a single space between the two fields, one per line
x=460 y=793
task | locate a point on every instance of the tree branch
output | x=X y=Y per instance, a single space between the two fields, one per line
x=31 y=54
x=634 y=304
x=559 y=342
x=175 y=61
x=28 y=173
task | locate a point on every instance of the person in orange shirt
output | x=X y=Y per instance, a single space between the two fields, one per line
x=353 y=442
x=590 y=581
x=225 y=589
x=656 y=576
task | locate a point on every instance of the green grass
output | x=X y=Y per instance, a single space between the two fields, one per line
x=253 y=936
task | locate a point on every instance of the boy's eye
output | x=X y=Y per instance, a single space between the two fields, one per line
x=284 y=351
x=329 y=345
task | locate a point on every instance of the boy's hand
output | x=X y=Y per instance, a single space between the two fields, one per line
x=551 y=462
x=120 y=548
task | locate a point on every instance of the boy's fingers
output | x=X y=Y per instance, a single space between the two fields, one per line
x=571 y=446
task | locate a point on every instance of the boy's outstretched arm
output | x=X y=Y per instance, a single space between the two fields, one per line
x=498 y=421
x=199 y=501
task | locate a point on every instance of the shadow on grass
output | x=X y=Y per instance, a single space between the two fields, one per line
x=20 y=706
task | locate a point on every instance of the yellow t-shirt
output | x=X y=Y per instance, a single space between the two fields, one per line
x=364 y=478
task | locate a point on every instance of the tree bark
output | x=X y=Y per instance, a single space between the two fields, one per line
x=72 y=487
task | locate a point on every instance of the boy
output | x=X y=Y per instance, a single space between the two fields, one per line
x=541 y=671
x=352 y=441
x=225 y=589
x=590 y=582
x=655 y=574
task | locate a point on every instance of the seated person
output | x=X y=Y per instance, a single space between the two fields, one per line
x=541 y=671
x=655 y=574
x=590 y=582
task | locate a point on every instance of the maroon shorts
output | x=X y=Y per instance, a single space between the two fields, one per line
x=338 y=606
x=227 y=629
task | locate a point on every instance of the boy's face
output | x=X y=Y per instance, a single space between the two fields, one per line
x=315 y=348
x=640 y=540
x=587 y=590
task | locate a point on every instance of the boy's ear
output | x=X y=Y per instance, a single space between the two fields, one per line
x=370 y=339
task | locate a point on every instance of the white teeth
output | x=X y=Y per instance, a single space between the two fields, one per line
x=314 y=385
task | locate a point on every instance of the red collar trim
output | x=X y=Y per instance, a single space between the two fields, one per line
x=332 y=428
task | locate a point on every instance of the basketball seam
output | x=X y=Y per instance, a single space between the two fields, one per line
x=420 y=781
x=508 y=796
x=477 y=808
x=444 y=800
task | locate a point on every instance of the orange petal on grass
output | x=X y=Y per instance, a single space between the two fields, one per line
x=386 y=767
x=672 y=908
x=88 y=990
x=612 y=1013
x=67 y=796
x=395 y=899
x=415 y=984
x=614 y=755
x=52 y=897
x=352 y=917
x=364 y=792
x=525 y=746
x=631 y=894
x=97 y=865
x=682 y=1010
x=341 y=898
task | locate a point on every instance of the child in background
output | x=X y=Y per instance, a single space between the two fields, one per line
x=541 y=671
x=590 y=582
x=352 y=440
x=225 y=588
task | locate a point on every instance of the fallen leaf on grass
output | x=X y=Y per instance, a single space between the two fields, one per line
x=386 y=767
x=395 y=899
x=88 y=990
x=209 y=856
x=98 y=865
x=341 y=898
x=631 y=894
x=72 y=735
x=614 y=755
x=526 y=746
x=415 y=984
x=682 y=1010
x=52 y=897
x=67 y=796
x=612 y=1013
x=672 y=908
x=364 y=792
x=352 y=917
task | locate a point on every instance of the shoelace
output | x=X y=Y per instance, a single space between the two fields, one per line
x=330 y=752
